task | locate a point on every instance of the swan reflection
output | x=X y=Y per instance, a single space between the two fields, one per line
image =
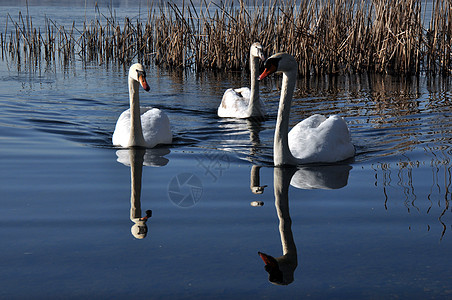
x=281 y=269
x=255 y=180
x=239 y=133
x=135 y=158
x=327 y=177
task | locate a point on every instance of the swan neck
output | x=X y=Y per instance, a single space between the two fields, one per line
x=136 y=132
x=281 y=183
x=255 y=177
x=282 y=154
x=254 y=106
x=136 y=169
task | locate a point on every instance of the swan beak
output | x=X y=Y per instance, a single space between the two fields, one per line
x=269 y=70
x=268 y=260
x=144 y=83
x=272 y=267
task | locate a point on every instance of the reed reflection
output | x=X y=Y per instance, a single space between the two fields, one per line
x=424 y=187
x=281 y=269
x=136 y=158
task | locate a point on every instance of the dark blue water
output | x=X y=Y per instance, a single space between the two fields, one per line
x=378 y=227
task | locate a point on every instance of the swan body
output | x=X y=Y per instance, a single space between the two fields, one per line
x=317 y=139
x=244 y=102
x=321 y=139
x=141 y=126
x=155 y=128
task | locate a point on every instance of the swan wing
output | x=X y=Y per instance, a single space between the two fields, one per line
x=122 y=130
x=321 y=139
x=235 y=103
x=156 y=127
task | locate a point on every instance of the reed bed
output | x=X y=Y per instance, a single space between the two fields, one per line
x=326 y=36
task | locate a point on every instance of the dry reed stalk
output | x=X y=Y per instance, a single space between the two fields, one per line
x=326 y=36
x=438 y=38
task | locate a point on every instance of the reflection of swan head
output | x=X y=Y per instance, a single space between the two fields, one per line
x=139 y=230
x=275 y=275
x=258 y=189
x=137 y=73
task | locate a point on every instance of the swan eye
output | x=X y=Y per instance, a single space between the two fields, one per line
x=272 y=61
x=141 y=73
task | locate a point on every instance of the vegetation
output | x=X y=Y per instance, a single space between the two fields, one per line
x=325 y=36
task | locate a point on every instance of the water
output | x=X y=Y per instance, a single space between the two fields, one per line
x=377 y=227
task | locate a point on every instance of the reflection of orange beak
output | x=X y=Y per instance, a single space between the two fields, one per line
x=268 y=260
x=143 y=82
x=148 y=215
x=272 y=267
x=267 y=72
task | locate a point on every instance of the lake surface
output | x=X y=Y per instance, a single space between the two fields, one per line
x=377 y=227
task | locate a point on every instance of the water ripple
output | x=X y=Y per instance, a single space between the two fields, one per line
x=387 y=116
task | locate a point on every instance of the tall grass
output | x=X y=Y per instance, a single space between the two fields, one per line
x=325 y=36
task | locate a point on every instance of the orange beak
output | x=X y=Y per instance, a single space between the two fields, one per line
x=143 y=83
x=268 y=260
x=267 y=71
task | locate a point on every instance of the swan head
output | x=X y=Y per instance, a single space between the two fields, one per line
x=137 y=73
x=279 y=63
x=275 y=274
x=257 y=50
x=139 y=230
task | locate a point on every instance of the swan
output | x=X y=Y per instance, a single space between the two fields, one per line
x=281 y=269
x=316 y=139
x=244 y=102
x=136 y=158
x=141 y=126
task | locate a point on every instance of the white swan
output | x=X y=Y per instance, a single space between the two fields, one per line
x=244 y=102
x=141 y=126
x=315 y=139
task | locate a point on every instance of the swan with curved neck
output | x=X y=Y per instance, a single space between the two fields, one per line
x=316 y=139
x=136 y=158
x=141 y=126
x=244 y=102
x=139 y=229
x=281 y=269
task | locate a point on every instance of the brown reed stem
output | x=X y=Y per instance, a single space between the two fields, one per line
x=325 y=36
